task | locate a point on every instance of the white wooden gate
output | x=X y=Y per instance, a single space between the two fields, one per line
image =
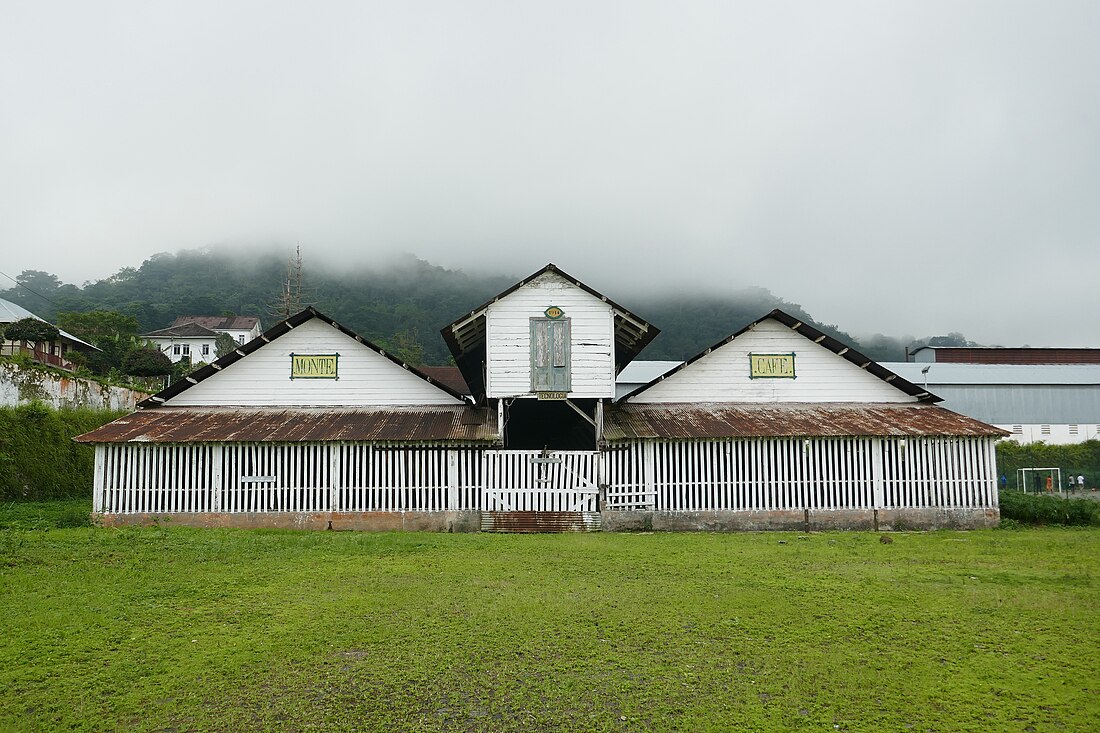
x=552 y=490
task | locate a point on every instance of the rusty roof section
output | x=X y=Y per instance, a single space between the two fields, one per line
x=448 y=375
x=809 y=332
x=686 y=421
x=1011 y=355
x=184 y=330
x=435 y=423
x=235 y=323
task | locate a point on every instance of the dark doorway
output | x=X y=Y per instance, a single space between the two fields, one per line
x=552 y=424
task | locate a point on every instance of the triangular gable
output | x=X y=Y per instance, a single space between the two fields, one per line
x=465 y=337
x=826 y=370
x=259 y=373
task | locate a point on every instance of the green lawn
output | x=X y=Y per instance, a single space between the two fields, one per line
x=178 y=629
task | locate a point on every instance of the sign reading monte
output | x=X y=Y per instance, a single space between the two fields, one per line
x=314 y=366
x=771 y=366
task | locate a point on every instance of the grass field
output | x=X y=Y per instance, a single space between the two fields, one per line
x=176 y=629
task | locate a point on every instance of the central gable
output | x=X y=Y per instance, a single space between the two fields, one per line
x=313 y=364
x=550 y=335
x=596 y=324
x=771 y=361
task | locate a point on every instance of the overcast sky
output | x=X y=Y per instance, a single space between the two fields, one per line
x=905 y=168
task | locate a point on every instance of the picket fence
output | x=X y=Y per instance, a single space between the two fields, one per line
x=732 y=474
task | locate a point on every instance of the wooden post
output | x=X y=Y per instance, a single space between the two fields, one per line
x=452 y=480
x=97 y=483
x=877 y=478
x=649 y=470
x=335 y=466
x=216 y=475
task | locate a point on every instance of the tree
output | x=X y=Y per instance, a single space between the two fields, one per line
x=224 y=344
x=146 y=362
x=31 y=330
x=98 y=326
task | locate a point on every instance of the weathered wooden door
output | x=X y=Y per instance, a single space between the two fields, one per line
x=540 y=491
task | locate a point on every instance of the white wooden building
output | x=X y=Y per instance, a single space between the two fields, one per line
x=779 y=426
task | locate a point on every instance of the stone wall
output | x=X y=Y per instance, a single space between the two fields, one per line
x=21 y=385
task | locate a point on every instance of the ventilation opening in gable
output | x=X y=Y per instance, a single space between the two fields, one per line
x=551 y=424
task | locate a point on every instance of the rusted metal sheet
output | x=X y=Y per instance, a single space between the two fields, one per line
x=997 y=355
x=458 y=424
x=449 y=376
x=531 y=522
x=725 y=420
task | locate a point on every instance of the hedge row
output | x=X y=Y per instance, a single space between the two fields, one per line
x=39 y=460
x=1042 y=509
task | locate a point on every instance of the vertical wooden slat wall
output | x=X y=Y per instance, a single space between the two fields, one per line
x=731 y=474
x=801 y=473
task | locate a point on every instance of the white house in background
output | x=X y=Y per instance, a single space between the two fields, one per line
x=778 y=426
x=190 y=342
x=242 y=328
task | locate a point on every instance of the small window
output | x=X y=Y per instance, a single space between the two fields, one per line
x=1044 y=429
x=1017 y=429
x=187 y=349
x=176 y=349
x=240 y=339
x=206 y=349
x=1073 y=430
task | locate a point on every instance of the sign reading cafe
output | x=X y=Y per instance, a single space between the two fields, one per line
x=771 y=366
x=314 y=366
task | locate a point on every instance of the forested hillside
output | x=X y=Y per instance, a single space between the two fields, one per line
x=400 y=305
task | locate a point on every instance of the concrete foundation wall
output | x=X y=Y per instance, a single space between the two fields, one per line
x=801 y=521
x=612 y=521
x=354 y=521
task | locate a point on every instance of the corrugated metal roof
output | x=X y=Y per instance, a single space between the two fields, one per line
x=233 y=323
x=948 y=373
x=733 y=420
x=10 y=313
x=184 y=330
x=448 y=375
x=1012 y=355
x=443 y=423
x=637 y=373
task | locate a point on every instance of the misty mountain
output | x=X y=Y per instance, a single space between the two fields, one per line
x=399 y=304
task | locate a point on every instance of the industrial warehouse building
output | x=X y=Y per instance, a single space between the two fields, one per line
x=777 y=426
x=1050 y=395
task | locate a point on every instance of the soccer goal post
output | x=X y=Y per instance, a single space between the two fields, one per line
x=1039 y=480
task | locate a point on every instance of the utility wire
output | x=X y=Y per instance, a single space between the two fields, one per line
x=21 y=285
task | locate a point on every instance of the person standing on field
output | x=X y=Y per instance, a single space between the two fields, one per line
x=1080 y=482
x=1050 y=483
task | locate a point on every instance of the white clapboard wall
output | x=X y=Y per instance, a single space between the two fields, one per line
x=508 y=338
x=820 y=375
x=263 y=377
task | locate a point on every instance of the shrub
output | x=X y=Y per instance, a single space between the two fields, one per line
x=1041 y=510
x=146 y=363
x=31 y=330
x=38 y=458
